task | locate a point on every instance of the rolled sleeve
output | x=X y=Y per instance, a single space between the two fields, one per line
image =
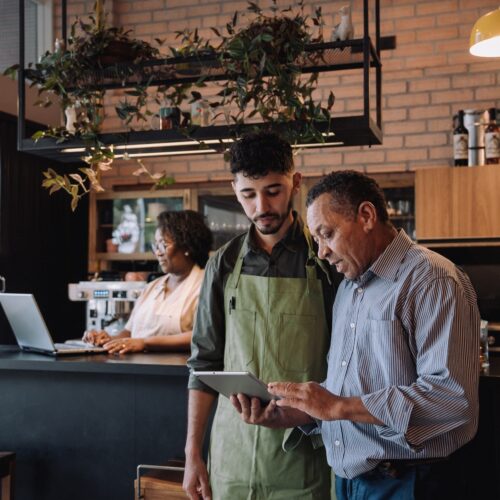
x=207 y=344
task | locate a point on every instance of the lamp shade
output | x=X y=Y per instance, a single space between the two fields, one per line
x=485 y=35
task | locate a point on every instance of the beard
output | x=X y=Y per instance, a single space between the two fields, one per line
x=274 y=220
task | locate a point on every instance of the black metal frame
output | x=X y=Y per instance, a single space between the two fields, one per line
x=348 y=130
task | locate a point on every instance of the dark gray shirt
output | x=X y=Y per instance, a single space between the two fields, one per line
x=287 y=260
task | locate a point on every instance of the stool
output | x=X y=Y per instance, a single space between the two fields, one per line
x=7 y=468
x=164 y=482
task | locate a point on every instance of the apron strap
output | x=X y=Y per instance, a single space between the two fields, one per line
x=312 y=261
x=234 y=277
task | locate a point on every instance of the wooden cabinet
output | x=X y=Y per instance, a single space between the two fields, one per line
x=122 y=225
x=458 y=204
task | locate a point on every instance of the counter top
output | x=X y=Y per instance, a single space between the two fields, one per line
x=11 y=358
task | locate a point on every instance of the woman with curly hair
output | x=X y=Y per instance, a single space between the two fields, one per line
x=162 y=319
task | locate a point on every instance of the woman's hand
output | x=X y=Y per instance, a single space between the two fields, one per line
x=124 y=345
x=96 y=338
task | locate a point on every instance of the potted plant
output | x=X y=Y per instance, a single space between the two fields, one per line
x=263 y=65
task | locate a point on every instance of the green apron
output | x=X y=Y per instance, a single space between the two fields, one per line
x=275 y=328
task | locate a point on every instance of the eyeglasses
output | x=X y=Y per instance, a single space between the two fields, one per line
x=160 y=247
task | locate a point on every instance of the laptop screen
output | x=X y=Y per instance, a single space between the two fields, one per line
x=26 y=321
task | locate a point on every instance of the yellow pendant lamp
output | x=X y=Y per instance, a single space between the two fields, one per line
x=485 y=35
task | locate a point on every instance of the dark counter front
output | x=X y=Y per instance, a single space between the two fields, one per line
x=484 y=450
x=80 y=425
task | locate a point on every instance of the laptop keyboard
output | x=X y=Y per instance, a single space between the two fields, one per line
x=77 y=344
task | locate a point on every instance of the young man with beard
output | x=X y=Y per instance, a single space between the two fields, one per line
x=265 y=307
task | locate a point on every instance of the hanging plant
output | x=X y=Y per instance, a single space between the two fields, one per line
x=263 y=62
x=75 y=73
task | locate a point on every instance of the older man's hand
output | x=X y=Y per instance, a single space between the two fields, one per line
x=314 y=400
x=252 y=411
x=308 y=397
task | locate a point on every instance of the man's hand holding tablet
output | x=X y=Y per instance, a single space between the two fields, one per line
x=251 y=399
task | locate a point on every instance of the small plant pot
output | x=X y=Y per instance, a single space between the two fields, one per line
x=117 y=52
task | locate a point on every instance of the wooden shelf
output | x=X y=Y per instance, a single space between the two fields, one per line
x=402 y=217
x=125 y=256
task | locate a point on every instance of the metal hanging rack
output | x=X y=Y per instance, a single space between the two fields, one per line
x=331 y=56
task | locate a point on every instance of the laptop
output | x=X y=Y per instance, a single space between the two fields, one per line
x=30 y=329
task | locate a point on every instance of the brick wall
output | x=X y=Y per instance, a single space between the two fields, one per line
x=426 y=80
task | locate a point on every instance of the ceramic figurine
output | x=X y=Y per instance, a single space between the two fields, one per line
x=345 y=29
x=58 y=45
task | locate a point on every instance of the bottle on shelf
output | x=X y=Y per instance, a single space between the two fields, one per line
x=492 y=139
x=460 y=142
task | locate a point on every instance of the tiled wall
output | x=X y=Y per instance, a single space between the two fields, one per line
x=426 y=79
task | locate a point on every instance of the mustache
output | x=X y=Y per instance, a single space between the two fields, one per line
x=266 y=214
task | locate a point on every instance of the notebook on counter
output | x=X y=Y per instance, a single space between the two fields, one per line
x=30 y=329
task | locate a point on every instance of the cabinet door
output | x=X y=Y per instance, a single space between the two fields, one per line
x=224 y=215
x=458 y=203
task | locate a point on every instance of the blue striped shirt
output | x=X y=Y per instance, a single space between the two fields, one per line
x=405 y=338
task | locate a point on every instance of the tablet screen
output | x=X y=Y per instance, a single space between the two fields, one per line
x=228 y=383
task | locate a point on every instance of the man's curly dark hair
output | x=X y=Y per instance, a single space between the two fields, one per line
x=257 y=154
x=348 y=190
x=188 y=230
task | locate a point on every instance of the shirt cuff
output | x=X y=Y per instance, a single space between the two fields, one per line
x=195 y=383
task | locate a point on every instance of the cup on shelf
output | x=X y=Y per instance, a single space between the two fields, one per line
x=391 y=208
x=200 y=113
x=403 y=207
x=167 y=118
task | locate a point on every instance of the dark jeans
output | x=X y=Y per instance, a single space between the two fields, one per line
x=408 y=481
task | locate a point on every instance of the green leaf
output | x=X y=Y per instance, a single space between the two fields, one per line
x=39 y=134
x=54 y=188
x=11 y=71
x=331 y=100
x=253 y=7
x=196 y=96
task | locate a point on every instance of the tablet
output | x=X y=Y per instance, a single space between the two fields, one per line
x=228 y=383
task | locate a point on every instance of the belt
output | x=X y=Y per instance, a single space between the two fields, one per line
x=396 y=468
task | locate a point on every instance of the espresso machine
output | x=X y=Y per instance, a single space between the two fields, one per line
x=109 y=303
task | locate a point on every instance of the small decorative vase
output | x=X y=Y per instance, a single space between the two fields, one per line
x=70 y=113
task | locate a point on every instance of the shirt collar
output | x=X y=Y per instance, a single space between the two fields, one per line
x=291 y=241
x=161 y=286
x=387 y=264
